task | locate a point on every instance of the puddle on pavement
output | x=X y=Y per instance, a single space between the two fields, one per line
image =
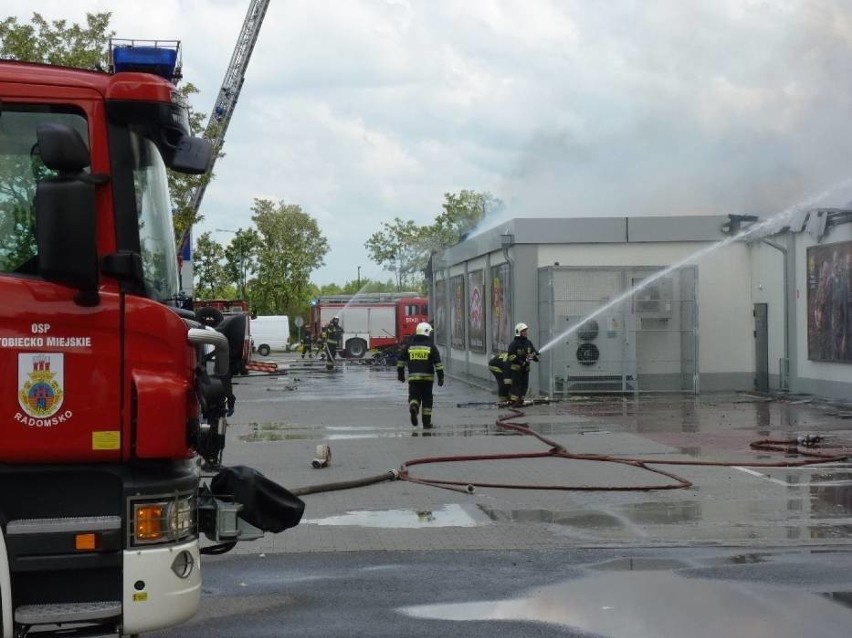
x=748 y=559
x=640 y=564
x=649 y=513
x=650 y=604
x=451 y=515
x=840 y=597
x=810 y=520
x=280 y=431
x=265 y=432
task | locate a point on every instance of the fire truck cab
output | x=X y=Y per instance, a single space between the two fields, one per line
x=111 y=407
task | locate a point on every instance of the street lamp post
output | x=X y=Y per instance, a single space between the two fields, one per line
x=359 y=277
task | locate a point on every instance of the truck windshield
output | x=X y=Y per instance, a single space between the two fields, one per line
x=21 y=169
x=156 y=235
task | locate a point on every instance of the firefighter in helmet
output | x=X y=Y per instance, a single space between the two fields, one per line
x=307 y=345
x=333 y=334
x=521 y=352
x=423 y=361
x=499 y=367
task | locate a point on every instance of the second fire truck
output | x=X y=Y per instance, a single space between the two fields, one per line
x=370 y=321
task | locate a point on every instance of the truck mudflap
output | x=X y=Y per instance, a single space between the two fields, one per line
x=242 y=504
x=162 y=586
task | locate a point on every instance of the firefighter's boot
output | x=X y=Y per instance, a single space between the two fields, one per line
x=412 y=409
x=427 y=421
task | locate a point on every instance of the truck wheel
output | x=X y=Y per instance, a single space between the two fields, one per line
x=263 y=350
x=356 y=348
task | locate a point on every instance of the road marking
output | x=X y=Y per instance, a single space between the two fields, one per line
x=761 y=475
x=838 y=483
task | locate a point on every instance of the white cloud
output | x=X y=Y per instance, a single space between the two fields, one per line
x=365 y=110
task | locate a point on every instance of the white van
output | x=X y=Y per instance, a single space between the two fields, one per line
x=271 y=332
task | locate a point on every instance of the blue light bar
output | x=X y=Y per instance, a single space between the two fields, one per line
x=155 y=57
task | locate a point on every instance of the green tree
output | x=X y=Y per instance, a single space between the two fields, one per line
x=57 y=42
x=207 y=261
x=404 y=248
x=291 y=248
x=241 y=258
x=397 y=248
x=460 y=214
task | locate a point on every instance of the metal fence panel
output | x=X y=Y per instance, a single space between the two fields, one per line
x=598 y=336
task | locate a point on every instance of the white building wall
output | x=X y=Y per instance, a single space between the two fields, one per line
x=726 y=344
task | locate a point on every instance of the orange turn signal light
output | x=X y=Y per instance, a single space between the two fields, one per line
x=86 y=542
x=149 y=522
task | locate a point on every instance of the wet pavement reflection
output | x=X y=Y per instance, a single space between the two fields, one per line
x=451 y=515
x=651 y=604
x=362 y=411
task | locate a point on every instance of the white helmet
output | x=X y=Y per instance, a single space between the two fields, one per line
x=519 y=328
x=423 y=328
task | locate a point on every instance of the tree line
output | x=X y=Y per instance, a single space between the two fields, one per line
x=269 y=263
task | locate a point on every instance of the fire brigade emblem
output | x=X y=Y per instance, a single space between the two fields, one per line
x=40 y=384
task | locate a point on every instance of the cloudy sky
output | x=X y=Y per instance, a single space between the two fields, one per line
x=365 y=110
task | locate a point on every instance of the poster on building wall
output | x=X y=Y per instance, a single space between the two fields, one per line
x=440 y=311
x=501 y=308
x=829 y=297
x=457 y=314
x=476 y=312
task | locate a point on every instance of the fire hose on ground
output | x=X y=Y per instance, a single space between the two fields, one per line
x=803 y=445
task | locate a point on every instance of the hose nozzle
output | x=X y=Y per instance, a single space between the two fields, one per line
x=322 y=458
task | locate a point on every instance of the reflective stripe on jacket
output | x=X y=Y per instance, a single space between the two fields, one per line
x=422 y=359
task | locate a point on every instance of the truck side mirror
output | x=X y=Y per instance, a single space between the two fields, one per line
x=66 y=214
x=192 y=155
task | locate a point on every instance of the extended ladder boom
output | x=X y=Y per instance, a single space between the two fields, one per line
x=220 y=117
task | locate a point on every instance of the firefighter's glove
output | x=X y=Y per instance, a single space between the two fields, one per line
x=535 y=357
x=440 y=380
x=400 y=374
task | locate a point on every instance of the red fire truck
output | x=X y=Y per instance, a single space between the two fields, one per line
x=372 y=320
x=114 y=398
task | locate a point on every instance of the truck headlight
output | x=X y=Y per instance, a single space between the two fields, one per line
x=162 y=520
x=180 y=515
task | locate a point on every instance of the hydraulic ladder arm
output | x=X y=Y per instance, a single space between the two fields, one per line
x=229 y=93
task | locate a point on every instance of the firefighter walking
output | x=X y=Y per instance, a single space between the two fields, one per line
x=423 y=361
x=521 y=352
x=307 y=345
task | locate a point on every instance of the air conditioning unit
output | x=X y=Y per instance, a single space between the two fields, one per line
x=595 y=352
x=653 y=300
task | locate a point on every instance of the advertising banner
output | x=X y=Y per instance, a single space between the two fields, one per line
x=501 y=307
x=457 y=316
x=476 y=314
x=829 y=297
x=441 y=312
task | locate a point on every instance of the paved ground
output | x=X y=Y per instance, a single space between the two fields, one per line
x=744 y=551
x=360 y=412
